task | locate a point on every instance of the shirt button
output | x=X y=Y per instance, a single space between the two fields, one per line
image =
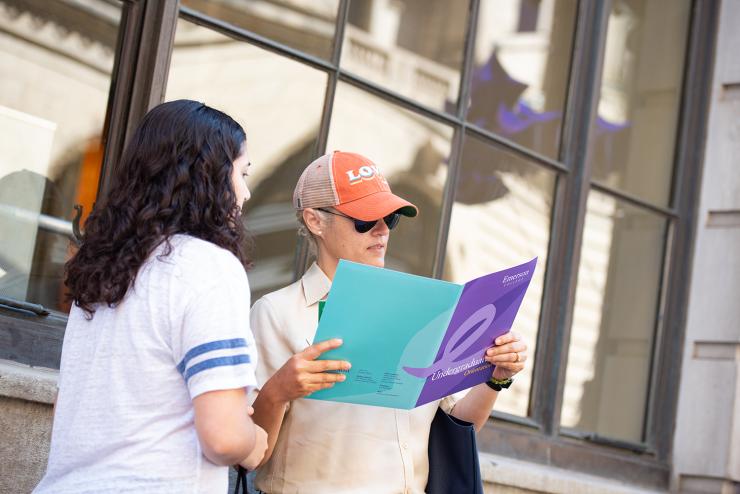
x=405 y=446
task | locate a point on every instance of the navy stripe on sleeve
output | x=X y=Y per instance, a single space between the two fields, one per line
x=209 y=347
x=216 y=362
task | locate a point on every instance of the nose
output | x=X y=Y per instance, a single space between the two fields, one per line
x=380 y=229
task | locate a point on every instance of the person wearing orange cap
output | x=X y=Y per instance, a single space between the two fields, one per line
x=346 y=210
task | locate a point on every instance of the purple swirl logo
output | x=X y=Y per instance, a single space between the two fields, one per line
x=459 y=343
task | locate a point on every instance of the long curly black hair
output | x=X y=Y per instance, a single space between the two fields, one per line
x=174 y=177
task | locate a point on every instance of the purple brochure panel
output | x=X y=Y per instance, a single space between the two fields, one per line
x=485 y=310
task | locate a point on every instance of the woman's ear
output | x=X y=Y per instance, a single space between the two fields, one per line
x=313 y=221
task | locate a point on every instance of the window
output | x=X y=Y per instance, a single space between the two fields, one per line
x=611 y=342
x=57 y=62
x=520 y=77
x=617 y=310
x=412 y=47
x=482 y=116
x=281 y=114
x=306 y=25
x=413 y=152
x=500 y=218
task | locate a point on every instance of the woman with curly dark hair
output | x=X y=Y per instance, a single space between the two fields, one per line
x=158 y=354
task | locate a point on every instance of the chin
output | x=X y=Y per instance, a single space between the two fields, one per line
x=378 y=262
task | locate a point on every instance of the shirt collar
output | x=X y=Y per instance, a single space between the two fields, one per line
x=315 y=284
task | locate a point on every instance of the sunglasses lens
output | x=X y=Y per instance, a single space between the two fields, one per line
x=392 y=220
x=364 y=226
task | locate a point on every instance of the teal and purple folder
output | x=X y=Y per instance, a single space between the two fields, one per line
x=412 y=340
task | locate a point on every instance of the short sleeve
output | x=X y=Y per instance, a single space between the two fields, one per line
x=448 y=402
x=215 y=348
x=270 y=340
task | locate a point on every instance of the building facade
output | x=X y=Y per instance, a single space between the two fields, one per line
x=599 y=135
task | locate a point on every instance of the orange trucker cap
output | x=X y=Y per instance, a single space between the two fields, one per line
x=351 y=184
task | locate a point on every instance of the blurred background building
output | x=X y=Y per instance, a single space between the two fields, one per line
x=600 y=135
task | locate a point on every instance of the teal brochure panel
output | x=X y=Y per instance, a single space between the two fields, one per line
x=387 y=320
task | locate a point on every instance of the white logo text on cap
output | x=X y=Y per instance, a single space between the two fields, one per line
x=364 y=173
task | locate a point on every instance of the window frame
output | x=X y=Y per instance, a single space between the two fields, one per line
x=139 y=81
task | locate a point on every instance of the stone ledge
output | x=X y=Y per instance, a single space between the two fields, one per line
x=518 y=474
x=35 y=384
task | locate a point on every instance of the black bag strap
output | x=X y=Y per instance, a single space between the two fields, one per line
x=241 y=480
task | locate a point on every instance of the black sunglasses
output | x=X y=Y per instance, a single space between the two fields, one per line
x=391 y=221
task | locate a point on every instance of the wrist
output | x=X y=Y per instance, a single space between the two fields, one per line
x=501 y=374
x=499 y=384
x=271 y=395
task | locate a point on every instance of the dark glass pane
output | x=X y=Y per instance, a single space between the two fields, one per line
x=412 y=47
x=56 y=62
x=306 y=25
x=279 y=103
x=500 y=218
x=412 y=151
x=634 y=135
x=520 y=75
x=611 y=342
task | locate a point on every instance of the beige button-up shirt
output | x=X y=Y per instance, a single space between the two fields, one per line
x=328 y=447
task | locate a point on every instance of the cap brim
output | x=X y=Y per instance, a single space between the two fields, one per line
x=376 y=206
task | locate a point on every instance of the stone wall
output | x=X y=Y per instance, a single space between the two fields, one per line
x=707 y=439
x=27 y=394
x=26 y=397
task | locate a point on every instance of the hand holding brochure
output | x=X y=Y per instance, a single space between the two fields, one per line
x=410 y=339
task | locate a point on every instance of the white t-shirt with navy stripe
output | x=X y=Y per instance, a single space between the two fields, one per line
x=124 y=414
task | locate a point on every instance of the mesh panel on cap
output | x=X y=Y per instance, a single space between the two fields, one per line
x=315 y=188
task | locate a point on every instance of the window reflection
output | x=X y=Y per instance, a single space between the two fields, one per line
x=56 y=65
x=412 y=151
x=306 y=25
x=501 y=218
x=635 y=131
x=279 y=103
x=519 y=80
x=608 y=371
x=413 y=47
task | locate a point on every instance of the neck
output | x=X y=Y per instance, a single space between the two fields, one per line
x=327 y=263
